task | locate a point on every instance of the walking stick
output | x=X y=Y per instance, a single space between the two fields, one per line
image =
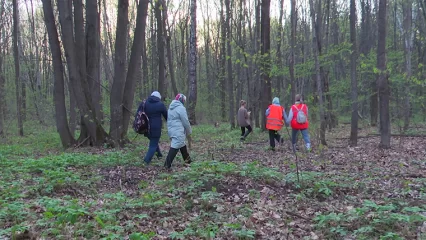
x=295 y=154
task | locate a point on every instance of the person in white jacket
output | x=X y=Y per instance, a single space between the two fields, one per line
x=178 y=128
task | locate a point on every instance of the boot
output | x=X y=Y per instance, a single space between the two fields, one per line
x=188 y=160
x=185 y=155
x=170 y=157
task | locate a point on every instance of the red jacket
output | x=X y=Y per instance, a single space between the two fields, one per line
x=294 y=124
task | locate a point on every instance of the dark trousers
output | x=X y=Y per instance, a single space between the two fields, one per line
x=153 y=148
x=243 y=131
x=274 y=135
x=172 y=154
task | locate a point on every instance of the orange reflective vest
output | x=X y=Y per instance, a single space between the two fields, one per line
x=275 y=119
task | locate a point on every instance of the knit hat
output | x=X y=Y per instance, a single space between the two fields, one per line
x=181 y=98
x=156 y=94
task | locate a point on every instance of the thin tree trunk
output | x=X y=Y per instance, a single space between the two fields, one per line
x=382 y=78
x=160 y=46
x=135 y=61
x=192 y=67
x=222 y=61
x=145 y=72
x=354 y=83
x=169 y=49
x=280 y=77
x=17 y=70
x=58 y=70
x=318 y=74
x=293 y=48
x=266 y=46
x=116 y=128
x=407 y=8
x=2 y=80
x=229 y=65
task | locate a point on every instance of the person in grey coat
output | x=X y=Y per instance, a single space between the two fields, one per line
x=178 y=127
x=243 y=118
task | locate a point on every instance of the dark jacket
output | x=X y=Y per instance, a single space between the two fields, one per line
x=154 y=108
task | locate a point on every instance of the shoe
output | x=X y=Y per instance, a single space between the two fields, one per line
x=159 y=155
x=188 y=160
x=282 y=140
x=272 y=149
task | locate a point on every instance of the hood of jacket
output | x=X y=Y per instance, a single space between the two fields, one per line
x=276 y=101
x=153 y=99
x=174 y=104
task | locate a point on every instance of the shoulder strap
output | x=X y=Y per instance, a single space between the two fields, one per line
x=298 y=110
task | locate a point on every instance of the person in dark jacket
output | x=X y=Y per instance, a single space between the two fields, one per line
x=154 y=109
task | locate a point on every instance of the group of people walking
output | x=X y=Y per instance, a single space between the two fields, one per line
x=276 y=118
x=179 y=128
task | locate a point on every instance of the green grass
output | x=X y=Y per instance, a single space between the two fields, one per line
x=109 y=194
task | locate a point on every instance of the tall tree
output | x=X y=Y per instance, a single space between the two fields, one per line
x=17 y=69
x=160 y=46
x=92 y=131
x=93 y=49
x=169 y=49
x=58 y=71
x=135 y=60
x=318 y=74
x=222 y=52
x=192 y=66
x=408 y=40
x=117 y=90
x=229 y=64
x=2 y=80
x=279 y=78
x=382 y=78
x=266 y=46
x=293 y=23
x=354 y=83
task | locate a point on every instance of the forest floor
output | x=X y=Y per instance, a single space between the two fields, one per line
x=230 y=191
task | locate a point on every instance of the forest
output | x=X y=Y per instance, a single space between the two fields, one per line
x=73 y=73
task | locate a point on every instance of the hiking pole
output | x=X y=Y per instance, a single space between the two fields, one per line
x=295 y=154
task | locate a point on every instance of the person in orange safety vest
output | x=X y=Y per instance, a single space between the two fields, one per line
x=299 y=123
x=275 y=117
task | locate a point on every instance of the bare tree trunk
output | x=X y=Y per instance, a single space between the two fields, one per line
x=93 y=55
x=75 y=55
x=292 y=49
x=2 y=83
x=145 y=73
x=354 y=83
x=58 y=70
x=17 y=72
x=382 y=78
x=135 y=61
x=192 y=67
x=2 y=80
x=279 y=61
x=116 y=128
x=169 y=50
x=266 y=59
x=408 y=39
x=160 y=46
x=222 y=61
x=229 y=65
x=374 y=101
x=318 y=74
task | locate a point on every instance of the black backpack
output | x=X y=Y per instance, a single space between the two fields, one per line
x=141 y=122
